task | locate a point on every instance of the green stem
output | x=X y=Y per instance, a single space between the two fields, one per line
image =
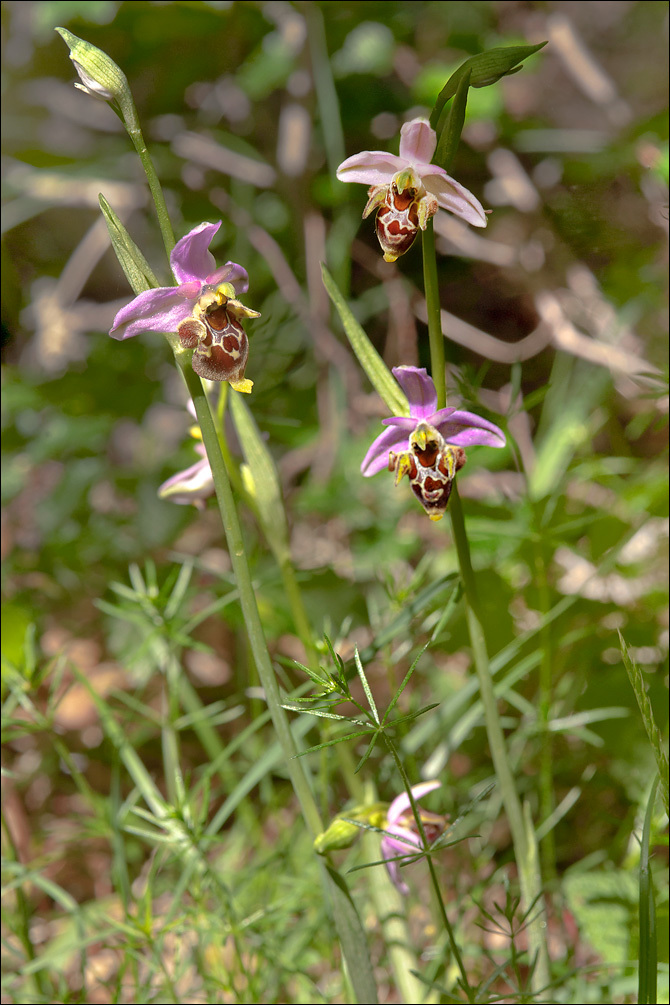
x=349 y=927
x=433 y=875
x=435 y=335
x=132 y=124
x=233 y=532
x=547 y=667
x=523 y=835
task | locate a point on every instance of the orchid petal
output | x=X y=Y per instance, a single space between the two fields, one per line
x=465 y=429
x=404 y=840
x=371 y=167
x=158 y=310
x=418 y=141
x=189 y=486
x=401 y=803
x=230 y=273
x=377 y=456
x=190 y=258
x=455 y=198
x=419 y=388
x=388 y=854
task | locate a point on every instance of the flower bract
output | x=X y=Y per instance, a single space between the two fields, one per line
x=401 y=835
x=428 y=445
x=407 y=190
x=203 y=309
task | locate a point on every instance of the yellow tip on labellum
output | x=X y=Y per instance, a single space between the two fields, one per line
x=243 y=386
x=435 y=516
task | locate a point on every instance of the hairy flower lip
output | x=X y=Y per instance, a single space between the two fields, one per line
x=417 y=146
x=193 y=265
x=398 y=839
x=458 y=428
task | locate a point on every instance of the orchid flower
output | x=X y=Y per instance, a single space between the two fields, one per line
x=408 y=190
x=428 y=445
x=193 y=485
x=202 y=309
x=401 y=834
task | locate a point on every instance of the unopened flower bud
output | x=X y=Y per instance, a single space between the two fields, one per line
x=99 y=75
x=343 y=831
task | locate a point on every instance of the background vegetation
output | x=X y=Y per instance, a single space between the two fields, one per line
x=556 y=329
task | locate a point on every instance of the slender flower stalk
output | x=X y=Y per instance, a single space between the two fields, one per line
x=102 y=78
x=470 y=992
x=247 y=594
x=523 y=836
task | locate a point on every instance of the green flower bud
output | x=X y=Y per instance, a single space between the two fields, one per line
x=342 y=831
x=99 y=75
x=340 y=834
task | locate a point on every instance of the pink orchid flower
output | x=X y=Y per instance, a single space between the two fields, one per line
x=202 y=309
x=408 y=190
x=194 y=484
x=428 y=445
x=402 y=837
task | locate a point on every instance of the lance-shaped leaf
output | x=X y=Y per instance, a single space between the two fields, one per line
x=376 y=369
x=267 y=494
x=137 y=270
x=485 y=68
x=450 y=137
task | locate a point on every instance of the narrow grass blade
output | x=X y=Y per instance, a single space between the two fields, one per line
x=376 y=369
x=267 y=492
x=636 y=678
x=450 y=136
x=353 y=939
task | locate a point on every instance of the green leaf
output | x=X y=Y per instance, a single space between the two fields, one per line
x=485 y=68
x=267 y=494
x=137 y=270
x=636 y=678
x=404 y=684
x=376 y=369
x=366 y=686
x=450 y=136
x=352 y=938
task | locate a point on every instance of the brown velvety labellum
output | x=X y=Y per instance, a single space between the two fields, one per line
x=223 y=352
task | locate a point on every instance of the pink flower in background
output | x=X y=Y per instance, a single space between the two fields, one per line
x=428 y=445
x=193 y=485
x=407 y=190
x=402 y=837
